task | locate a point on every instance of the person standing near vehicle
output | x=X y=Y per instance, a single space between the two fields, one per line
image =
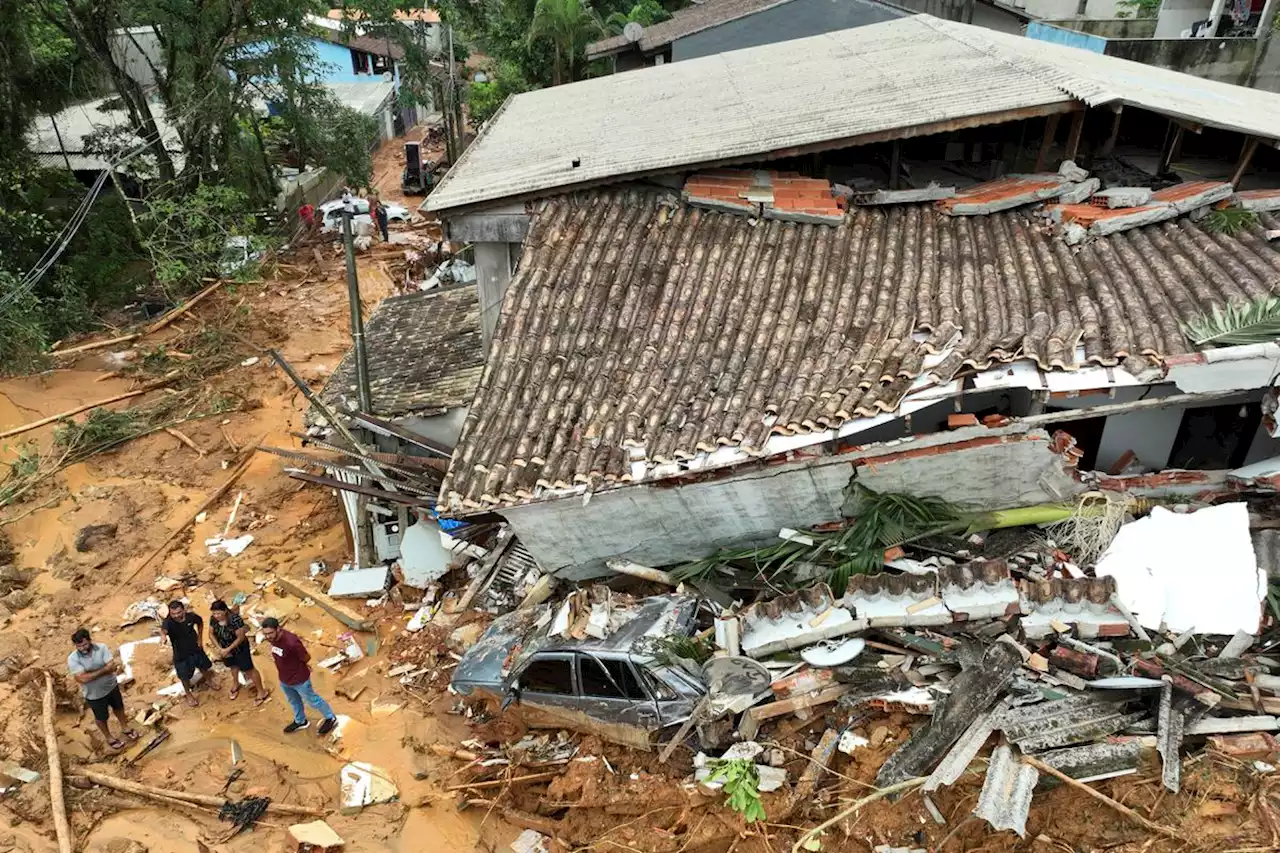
x=232 y=637
x=379 y=211
x=185 y=632
x=291 y=659
x=94 y=667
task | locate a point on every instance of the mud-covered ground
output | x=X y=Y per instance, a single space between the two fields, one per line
x=606 y=799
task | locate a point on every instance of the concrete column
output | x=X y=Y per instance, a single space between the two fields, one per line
x=493 y=274
x=1215 y=12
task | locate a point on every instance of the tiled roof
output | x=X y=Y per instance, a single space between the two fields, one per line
x=425 y=354
x=889 y=80
x=639 y=328
x=685 y=22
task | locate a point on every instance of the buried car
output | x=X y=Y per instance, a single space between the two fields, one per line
x=331 y=213
x=527 y=674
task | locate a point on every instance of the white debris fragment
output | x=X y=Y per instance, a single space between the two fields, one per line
x=364 y=784
x=230 y=547
x=530 y=841
x=850 y=740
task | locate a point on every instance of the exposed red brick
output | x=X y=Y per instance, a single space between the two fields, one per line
x=1087 y=214
x=1177 y=192
x=996 y=420
x=1245 y=745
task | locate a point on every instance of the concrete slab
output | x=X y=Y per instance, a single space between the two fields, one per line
x=359 y=583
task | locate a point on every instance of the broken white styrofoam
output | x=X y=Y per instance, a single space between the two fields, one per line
x=359 y=583
x=231 y=547
x=1192 y=571
x=364 y=784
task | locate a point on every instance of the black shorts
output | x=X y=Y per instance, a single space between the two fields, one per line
x=188 y=665
x=102 y=707
x=241 y=658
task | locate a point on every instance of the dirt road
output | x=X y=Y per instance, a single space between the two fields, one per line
x=142 y=492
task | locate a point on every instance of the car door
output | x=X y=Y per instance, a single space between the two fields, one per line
x=548 y=690
x=613 y=692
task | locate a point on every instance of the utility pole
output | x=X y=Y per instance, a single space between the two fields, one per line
x=357 y=318
x=452 y=131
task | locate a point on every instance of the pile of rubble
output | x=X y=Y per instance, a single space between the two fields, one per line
x=1079 y=674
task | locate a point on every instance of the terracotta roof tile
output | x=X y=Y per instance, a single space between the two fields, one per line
x=639 y=326
x=425 y=354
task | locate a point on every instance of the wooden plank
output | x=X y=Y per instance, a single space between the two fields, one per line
x=1110 y=144
x=150 y=386
x=1073 y=137
x=1246 y=155
x=1046 y=143
x=343 y=614
x=752 y=719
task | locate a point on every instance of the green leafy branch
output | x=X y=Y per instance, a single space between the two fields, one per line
x=742 y=785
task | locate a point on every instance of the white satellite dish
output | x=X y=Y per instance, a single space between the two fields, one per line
x=833 y=653
x=632 y=32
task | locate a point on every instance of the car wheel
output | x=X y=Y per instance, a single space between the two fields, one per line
x=505 y=729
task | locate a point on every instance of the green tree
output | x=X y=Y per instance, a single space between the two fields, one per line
x=646 y=13
x=568 y=26
x=485 y=99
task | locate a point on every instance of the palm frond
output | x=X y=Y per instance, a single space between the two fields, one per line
x=1254 y=322
x=1229 y=220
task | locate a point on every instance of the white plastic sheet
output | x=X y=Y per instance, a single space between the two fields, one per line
x=1193 y=571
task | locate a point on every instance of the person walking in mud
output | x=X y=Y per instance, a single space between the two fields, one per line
x=379 y=212
x=291 y=659
x=95 y=668
x=232 y=637
x=185 y=632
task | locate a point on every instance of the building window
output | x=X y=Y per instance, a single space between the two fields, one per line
x=382 y=64
x=360 y=61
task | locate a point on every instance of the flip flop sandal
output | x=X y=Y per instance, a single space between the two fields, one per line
x=235 y=691
x=131 y=736
x=261 y=699
x=116 y=744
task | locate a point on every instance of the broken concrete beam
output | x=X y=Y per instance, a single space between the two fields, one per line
x=1003 y=194
x=1071 y=172
x=1116 y=197
x=315 y=837
x=1080 y=192
x=338 y=611
x=1259 y=201
x=972 y=692
x=933 y=192
x=1191 y=195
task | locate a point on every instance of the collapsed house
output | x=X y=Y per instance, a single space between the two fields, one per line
x=954 y=297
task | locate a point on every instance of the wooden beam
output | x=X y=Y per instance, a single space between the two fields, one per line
x=1172 y=147
x=1050 y=131
x=1110 y=144
x=1246 y=154
x=27 y=427
x=895 y=164
x=1073 y=137
x=338 y=611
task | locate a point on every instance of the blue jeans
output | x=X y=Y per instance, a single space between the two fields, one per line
x=304 y=692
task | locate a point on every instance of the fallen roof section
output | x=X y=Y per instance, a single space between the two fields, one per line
x=425 y=354
x=909 y=77
x=640 y=332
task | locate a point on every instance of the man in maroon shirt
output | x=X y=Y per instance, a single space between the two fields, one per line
x=291 y=660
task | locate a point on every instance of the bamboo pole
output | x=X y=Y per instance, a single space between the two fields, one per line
x=235 y=475
x=65 y=840
x=494 y=783
x=150 y=386
x=1101 y=797
x=176 y=313
x=182 y=437
x=123 y=339
x=635 y=570
x=195 y=799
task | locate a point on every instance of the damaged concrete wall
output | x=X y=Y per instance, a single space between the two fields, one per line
x=1227 y=60
x=683 y=520
x=672 y=522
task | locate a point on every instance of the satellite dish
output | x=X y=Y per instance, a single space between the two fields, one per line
x=831 y=653
x=632 y=32
x=735 y=676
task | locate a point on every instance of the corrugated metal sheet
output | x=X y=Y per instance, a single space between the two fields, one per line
x=745 y=102
x=639 y=332
x=806 y=92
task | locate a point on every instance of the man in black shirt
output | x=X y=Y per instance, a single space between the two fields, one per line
x=185 y=632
